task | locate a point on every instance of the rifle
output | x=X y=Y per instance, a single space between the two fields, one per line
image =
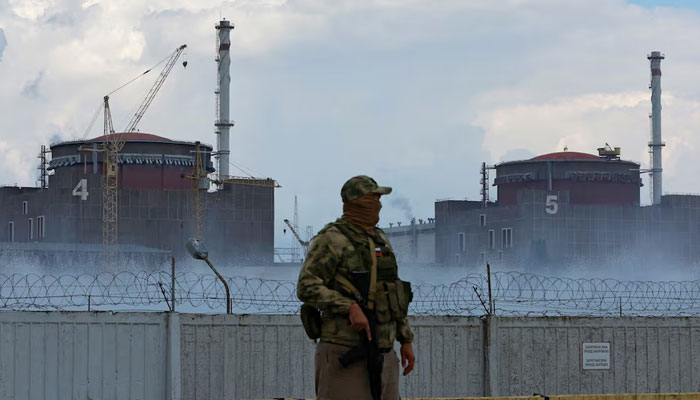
x=368 y=350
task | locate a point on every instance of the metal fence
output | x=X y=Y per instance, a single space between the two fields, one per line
x=513 y=293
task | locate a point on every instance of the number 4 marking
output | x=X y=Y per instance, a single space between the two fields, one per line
x=551 y=206
x=81 y=190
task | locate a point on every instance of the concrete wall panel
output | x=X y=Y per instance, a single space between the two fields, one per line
x=261 y=356
x=82 y=355
x=450 y=358
x=543 y=355
x=254 y=356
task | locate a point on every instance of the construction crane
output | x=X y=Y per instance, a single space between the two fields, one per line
x=304 y=243
x=113 y=144
x=199 y=183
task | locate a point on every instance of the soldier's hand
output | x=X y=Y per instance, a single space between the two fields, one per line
x=358 y=320
x=408 y=359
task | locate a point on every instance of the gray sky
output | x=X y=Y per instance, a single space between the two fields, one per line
x=415 y=93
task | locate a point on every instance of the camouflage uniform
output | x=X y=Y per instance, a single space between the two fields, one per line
x=339 y=248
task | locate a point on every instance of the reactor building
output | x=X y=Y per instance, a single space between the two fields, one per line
x=164 y=196
x=569 y=208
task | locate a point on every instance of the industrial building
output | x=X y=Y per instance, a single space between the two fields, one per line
x=413 y=243
x=554 y=228
x=132 y=192
x=570 y=208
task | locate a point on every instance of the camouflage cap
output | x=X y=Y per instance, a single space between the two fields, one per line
x=359 y=186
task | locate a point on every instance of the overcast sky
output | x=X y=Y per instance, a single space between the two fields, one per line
x=414 y=93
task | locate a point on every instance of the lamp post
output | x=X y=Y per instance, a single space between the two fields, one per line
x=198 y=251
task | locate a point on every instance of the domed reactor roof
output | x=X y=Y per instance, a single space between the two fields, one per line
x=136 y=136
x=146 y=162
x=567 y=155
x=581 y=178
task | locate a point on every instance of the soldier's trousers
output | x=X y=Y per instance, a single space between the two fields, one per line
x=333 y=382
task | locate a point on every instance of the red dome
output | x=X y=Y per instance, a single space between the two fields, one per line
x=567 y=155
x=136 y=136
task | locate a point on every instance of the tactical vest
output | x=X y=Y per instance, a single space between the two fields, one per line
x=391 y=298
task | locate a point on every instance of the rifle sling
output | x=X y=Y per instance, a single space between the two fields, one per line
x=349 y=287
x=372 y=275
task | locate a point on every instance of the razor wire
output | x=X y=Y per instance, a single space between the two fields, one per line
x=513 y=293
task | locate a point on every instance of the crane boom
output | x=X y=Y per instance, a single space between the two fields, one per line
x=303 y=243
x=131 y=126
x=109 y=128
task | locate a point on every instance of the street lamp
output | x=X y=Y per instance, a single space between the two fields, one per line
x=198 y=251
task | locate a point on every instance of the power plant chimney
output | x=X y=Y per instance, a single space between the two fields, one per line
x=656 y=144
x=223 y=123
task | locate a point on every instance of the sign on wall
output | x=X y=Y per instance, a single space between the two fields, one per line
x=81 y=190
x=595 y=355
x=551 y=206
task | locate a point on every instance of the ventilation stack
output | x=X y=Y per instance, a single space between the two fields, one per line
x=223 y=122
x=656 y=144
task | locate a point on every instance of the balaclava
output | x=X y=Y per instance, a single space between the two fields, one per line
x=363 y=211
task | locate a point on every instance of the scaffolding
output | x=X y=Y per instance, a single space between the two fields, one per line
x=43 y=181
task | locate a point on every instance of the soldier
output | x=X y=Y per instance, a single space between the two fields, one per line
x=353 y=244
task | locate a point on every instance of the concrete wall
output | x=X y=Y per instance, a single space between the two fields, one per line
x=81 y=355
x=270 y=356
x=57 y=355
x=543 y=355
x=450 y=354
x=250 y=356
x=413 y=243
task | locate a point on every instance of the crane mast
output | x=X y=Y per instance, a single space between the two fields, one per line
x=109 y=182
x=113 y=144
x=198 y=176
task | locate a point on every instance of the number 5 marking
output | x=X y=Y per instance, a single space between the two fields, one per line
x=551 y=206
x=81 y=190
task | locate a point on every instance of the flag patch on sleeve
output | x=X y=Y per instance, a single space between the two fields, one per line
x=378 y=251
